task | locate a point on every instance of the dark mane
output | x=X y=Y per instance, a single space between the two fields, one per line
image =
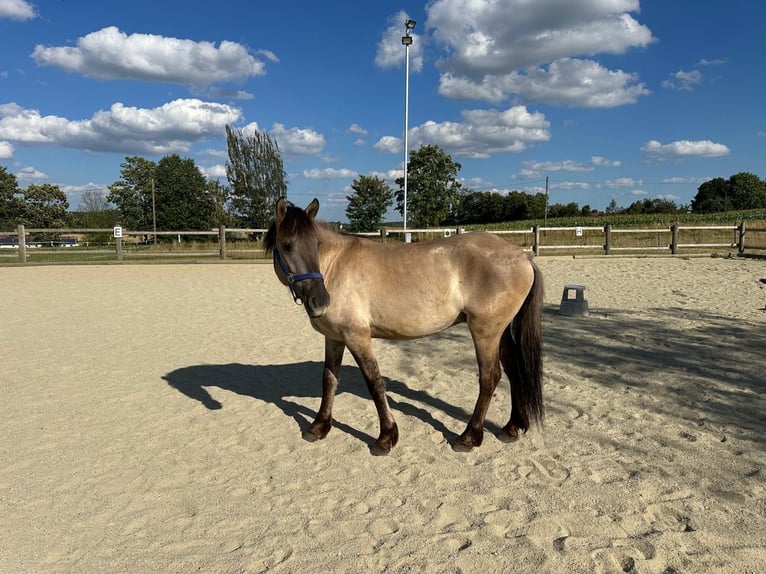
x=296 y=222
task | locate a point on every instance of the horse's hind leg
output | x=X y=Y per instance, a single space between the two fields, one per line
x=389 y=432
x=488 y=358
x=510 y=356
x=333 y=356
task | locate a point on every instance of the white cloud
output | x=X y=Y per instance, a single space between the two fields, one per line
x=621 y=182
x=31 y=174
x=603 y=162
x=685 y=180
x=389 y=144
x=532 y=49
x=570 y=185
x=297 y=141
x=214 y=171
x=391 y=52
x=17 y=10
x=497 y=37
x=534 y=169
x=170 y=128
x=329 y=173
x=684 y=148
x=390 y=176
x=567 y=81
x=480 y=134
x=682 y=80
x=476 y=182
x=357 y=129
x=110 y=53
x=6 y=150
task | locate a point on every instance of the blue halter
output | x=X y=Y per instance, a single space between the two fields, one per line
x=293 y=278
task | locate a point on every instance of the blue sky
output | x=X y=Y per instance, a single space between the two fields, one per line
x=607 y=98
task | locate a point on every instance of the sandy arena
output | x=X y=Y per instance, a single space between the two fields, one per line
x=151 y=422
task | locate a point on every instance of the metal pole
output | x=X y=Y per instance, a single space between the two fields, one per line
x=406 y=121
x=406 y=41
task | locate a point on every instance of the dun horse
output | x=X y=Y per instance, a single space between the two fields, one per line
x=355 y=289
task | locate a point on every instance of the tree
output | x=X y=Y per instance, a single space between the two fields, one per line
x=132 y=194
x=612 y=208
x=45 y=206
x=742 y=190
x=747 y=191
x=182 y=197
x=564 y=210
x=369 y=203
x=93 y=201
x=433 y=191
x=536 y=206
x=219 y=194
x=256 y=175
x=10 y=204
x=516 y=206
x=95 y=210
x=651 y=206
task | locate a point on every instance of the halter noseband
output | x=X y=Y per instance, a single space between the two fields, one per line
x=293 y=278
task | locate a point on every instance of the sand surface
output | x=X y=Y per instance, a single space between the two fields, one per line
x=151 y=420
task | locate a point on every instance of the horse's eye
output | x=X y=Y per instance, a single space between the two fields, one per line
x=287 y=247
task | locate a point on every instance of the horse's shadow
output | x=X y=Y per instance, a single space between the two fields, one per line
x=278 y=384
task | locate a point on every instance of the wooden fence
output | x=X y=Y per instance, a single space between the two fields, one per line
x=607 y=240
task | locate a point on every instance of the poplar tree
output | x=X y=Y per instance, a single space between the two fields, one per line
x=256 y=174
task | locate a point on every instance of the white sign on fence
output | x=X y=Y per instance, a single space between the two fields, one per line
x=118 y=232
x=578 y=231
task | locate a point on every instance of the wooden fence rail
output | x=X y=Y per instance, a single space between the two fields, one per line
x=536 y=239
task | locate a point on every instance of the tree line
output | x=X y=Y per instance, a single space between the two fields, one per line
x=171 y=194
x=174 y=195
x=436 y=197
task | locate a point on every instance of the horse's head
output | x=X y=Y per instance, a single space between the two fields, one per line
x=292 y=238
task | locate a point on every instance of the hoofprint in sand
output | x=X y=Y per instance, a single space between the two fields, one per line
x=151 y=422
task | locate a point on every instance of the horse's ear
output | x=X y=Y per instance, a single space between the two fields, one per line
x=312 y=209
x=281 y=209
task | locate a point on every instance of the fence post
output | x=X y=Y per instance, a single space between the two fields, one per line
x=222 y=242
x=741 y=242
x=383 y=233
x=22 y=239
x=536 y=245
x=607 y=239
x=674 y=239
x=118 y=245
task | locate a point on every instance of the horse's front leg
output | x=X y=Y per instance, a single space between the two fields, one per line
x=333 y=356
x=389 y=432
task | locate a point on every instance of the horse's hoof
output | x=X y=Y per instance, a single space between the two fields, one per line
x=308 y=437
x=380 y=450
x=460 y=447
x=507 y=436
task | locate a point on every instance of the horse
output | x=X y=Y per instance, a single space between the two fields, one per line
x=355 y=289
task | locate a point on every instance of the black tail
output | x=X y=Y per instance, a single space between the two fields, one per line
x=521 y=352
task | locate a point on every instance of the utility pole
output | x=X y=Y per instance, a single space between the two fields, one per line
x=545 y=216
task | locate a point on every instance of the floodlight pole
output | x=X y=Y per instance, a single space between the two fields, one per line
x=406 y=42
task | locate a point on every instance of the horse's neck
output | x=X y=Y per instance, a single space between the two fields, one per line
x=331 y=243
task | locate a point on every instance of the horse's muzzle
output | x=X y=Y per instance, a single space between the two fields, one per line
x=316 y=306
